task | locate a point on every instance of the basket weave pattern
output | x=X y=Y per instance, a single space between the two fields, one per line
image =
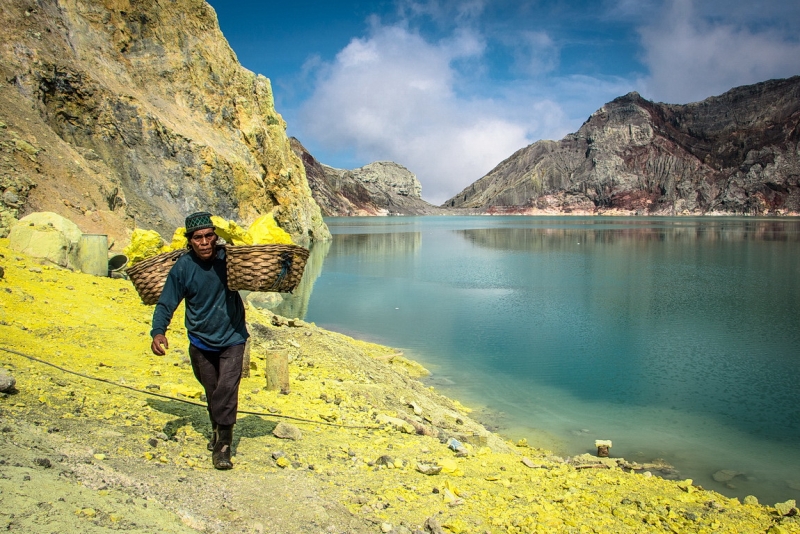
x=265 y=267
x=148 y=276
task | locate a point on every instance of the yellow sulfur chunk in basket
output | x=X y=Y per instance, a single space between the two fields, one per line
x=264 y=231
x=144 y=244
x=231 y=232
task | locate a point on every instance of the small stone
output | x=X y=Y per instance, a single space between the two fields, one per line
x=287 y=431
x=7 y=381
x=787 y=508
x=456 y=446
x=26 y=147
x=725 y=475
x=527 y=462
x=43 y=462
x=398 y=424
x=283 y=462
x=428 y=469
x=385 y=460
x=751 y=499
x=432 y=525
x=386 y=527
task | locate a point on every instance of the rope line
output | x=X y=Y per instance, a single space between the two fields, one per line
x=186 y=401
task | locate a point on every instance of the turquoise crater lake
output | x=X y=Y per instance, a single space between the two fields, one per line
x=676 y=338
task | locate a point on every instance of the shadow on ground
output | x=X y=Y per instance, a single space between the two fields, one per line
x=249 y=426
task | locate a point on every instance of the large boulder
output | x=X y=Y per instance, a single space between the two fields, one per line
x=48 y=236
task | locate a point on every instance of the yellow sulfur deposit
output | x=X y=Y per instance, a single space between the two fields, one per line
x=360 y=473
x=264 y=231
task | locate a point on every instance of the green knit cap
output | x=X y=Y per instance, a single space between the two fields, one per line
x=198 y=221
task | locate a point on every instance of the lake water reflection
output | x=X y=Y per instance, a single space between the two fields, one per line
x=676 y=338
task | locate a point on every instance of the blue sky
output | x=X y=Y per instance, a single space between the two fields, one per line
x=450 y=88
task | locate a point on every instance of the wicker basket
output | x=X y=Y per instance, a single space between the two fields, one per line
x=265 y=267
x=148 y=276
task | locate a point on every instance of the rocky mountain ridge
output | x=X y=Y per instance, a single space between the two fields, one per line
x=118 y=114
x=735 y=154
x=378 y=188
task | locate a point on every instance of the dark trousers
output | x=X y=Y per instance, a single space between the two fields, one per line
x=219 y=372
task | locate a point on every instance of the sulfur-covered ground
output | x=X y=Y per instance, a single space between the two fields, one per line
x=123 y=447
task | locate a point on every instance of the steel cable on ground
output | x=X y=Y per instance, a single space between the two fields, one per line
x=186 y=401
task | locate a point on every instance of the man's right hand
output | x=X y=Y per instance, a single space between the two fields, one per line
x=159 y=345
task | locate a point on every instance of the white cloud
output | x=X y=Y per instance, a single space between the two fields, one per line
x=392 y=96
x=426 y=105
x=535 y=53
x=692 y=55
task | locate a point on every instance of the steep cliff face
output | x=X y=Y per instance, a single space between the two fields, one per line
x=138 y=112
x=738 y=153
x=379 y=188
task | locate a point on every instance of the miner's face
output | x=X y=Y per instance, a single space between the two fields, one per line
x=204 y=243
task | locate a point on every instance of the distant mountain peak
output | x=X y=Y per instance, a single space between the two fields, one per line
x=378 y=188
x=736 y=153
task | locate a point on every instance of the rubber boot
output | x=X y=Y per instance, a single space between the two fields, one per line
x=221 y=457
x=213 y=440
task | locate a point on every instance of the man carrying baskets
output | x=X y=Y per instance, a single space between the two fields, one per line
x=216 y=326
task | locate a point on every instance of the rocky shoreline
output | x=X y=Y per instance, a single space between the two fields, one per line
x=359 y=443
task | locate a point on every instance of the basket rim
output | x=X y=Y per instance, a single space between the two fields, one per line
x=261 y=246
x=153 y=260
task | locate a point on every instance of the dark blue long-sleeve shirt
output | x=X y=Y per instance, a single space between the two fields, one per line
x=214 y=314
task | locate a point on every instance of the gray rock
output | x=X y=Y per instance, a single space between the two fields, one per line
x=726 y=475
x=529 y=463
x=287 y=431
x=385 y=460
x=11 y=198
x=428 y=469
x=433 y=526
x=7 y=381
